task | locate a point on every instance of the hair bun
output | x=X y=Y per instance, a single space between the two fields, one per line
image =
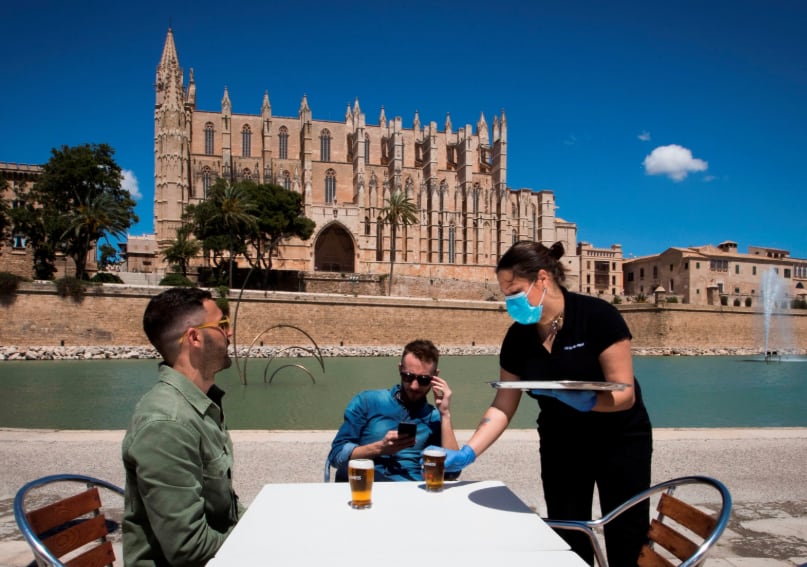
x=556 y=250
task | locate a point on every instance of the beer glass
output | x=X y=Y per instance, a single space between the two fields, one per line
x=434 y=468
x=360 y=473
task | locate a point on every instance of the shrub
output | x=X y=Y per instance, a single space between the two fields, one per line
x=672 y=299
x=69 y=286
x=641 y=298
x=176 y=280
x=106 y=277
x=616 y=300
x=9 y=283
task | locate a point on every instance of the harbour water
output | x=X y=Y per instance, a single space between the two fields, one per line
x=696 y=391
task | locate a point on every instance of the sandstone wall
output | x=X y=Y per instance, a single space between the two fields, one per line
x=111 y=315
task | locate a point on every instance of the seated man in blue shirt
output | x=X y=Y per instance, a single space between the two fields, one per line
x=370 y=429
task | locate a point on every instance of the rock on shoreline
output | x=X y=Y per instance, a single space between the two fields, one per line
x=12 y=353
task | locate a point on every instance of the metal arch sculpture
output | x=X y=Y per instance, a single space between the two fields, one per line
x=242 y=371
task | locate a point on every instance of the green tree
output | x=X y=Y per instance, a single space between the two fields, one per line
x=182 y=250
x=77 y=200
x=107 y=255
x=224 y=222
x=279 y=216
x=399 y=211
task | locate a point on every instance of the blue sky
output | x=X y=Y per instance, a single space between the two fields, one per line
x=656 y=124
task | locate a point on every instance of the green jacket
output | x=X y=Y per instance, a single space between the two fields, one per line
x=178 y=455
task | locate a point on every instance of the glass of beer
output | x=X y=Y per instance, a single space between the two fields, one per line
x=434 y=468
x=360 y=473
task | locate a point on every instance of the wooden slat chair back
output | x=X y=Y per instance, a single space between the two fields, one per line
x=677 y=542
x=71 y=531
x=680 y=535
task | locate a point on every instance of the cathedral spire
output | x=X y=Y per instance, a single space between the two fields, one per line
x=190 y=100
x=416 y=122
x=482 y=130
x=382 y=119
x=448 y=127
x=226 y=105
x=266 y=107
x=168 y=85
x=169 y=57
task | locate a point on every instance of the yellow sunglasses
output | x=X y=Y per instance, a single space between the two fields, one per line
x=222 y=325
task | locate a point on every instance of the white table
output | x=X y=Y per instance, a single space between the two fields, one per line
x=469 y=523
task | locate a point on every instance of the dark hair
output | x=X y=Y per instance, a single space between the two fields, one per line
x=170 y=309
x=423 y=349
x=526 y=258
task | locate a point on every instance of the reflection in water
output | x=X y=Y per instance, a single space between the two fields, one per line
x=698 y=391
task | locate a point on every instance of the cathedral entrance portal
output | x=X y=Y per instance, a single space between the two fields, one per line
x=334 y=250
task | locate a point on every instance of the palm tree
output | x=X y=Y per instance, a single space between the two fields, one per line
x=182 y=250
x=234 y=216
x=400 y=210
x=94 y=217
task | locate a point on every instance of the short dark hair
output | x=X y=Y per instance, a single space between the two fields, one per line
x=526 y=258
x=168 y=310
x=424 y=350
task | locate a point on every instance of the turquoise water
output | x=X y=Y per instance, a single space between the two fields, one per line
x=679 y=392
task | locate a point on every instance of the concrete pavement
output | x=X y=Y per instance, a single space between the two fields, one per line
x=765 y=470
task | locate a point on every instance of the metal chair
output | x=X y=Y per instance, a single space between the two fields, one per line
x=68 y=531
x=672 y=532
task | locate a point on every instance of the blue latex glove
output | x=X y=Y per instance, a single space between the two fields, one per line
x=457 y=460
x=581 y=400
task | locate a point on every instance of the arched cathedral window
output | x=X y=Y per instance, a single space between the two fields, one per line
x=209 y=139
x=283 y=143
x=330 y=186
x=325 y=145
x=246 y=141
x=367 y=148
x=205 y=181
x=286 y=180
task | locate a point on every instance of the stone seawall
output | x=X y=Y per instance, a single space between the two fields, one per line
x=135 y=352
x=39 y=324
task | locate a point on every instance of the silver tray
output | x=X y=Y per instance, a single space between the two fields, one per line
x=557 y=385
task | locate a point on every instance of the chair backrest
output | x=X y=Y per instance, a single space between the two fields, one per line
x=681 y=534
x=69 y=531
x=681 y=531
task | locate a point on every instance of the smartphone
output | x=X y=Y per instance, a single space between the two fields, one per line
x=407 y=429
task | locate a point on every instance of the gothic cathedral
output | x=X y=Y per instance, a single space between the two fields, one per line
x=346 y=171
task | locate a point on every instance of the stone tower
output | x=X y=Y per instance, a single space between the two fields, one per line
x=172 y=113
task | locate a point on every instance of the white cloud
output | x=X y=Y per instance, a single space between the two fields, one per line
x=674 y=161
x=130 y=184
x=571 y=140
x=644 y=136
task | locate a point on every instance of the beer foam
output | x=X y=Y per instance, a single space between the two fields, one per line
x=364 y=464
x=434 y=452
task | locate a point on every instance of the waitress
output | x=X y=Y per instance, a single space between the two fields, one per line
x=588 y=437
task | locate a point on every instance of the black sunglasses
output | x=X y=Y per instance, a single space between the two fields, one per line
x=423 y=379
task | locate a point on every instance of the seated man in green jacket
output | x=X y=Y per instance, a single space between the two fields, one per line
x=178 y=455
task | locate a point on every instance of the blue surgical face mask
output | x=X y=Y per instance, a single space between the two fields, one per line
x=520 y=309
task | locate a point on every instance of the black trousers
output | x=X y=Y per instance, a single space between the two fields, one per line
x=619 y=465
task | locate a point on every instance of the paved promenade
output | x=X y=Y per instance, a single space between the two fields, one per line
x=765 y=470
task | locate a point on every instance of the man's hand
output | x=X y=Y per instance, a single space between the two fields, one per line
x=581 y=400
x=442 y=395
x=391 y=443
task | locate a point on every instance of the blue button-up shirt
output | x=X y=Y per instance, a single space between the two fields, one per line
x=369 y=416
